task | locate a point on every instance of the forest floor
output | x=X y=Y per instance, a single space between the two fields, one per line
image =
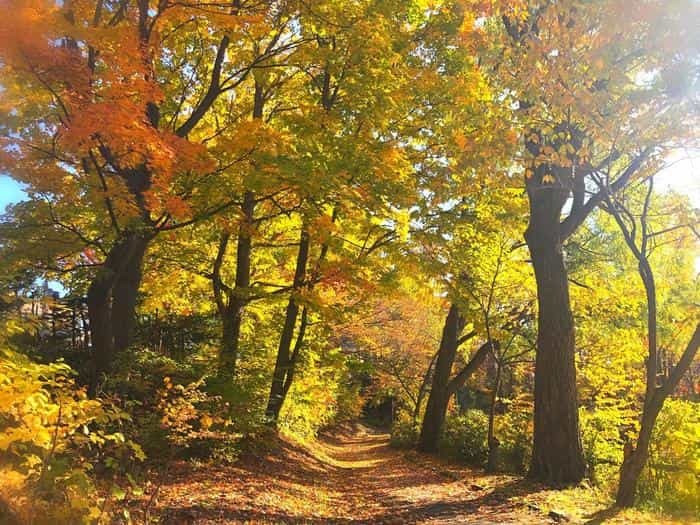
x=351 y=475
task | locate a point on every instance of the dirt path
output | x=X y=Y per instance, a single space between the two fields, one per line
x=384 y=485
x=349 y=476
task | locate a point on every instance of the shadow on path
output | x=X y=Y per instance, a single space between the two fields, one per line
x=350 y=475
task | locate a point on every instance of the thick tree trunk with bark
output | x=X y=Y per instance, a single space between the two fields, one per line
x=557 y=455
x=99 y=301
x=125 y=293
x=435 y=412
x=111 y=301
x=283 y=362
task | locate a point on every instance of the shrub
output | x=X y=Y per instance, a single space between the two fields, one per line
x=193 y=421
x=52 y=437
x=672 y=477
x=514 y=432
x=404 y=433
x=602 y=443
x=464 y=437
x=670 y=480
x=312 y=401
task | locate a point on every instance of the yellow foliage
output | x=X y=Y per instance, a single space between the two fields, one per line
x=45 y=422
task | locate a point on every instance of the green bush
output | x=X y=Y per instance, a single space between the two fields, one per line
x=175 y=412
x=602 y=443
x=464 y=437
x=514 y=433
x=404 y=433
x=671 y=480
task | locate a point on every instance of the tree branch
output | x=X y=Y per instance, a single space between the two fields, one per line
x=474 y=363
x=212 y=92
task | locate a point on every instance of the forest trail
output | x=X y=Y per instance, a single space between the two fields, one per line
x=350 y=475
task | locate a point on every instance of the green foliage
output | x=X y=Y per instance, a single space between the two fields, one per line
x=513 y=429
x=404 y=432
x=672 y=478
x=464 y=437
x=313 y=400
x=602 y=438
x=177 y=410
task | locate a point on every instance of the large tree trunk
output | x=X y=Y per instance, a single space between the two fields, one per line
x=557 y=455
x=125 y=293
x=111 y=300
x=283 y=362
x=439 y=393
x=99 y=301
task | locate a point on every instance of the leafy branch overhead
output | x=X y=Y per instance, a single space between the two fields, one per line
x=270 y=237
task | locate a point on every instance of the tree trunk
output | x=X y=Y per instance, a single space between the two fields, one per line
x=283 y=361
x=232 y=317
x=111 y=300
x=99 y=303
x=300 y=280
x=439 y=397
x=635 y=462
x=491 y=439
x=125 y=292
x=557 y=455
x=303 y=323
x=423 y=388
x=655 y=394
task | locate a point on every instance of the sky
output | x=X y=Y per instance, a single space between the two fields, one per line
x=682 y=175
x=10 y=192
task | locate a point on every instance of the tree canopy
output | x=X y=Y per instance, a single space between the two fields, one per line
x=267 y=217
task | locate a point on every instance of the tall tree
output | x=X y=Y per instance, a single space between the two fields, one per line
x=640 y=236
x=121 y=92
x=444 y=383
x=588 y=112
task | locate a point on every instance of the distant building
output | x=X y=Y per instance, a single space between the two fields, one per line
x=40 y=305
